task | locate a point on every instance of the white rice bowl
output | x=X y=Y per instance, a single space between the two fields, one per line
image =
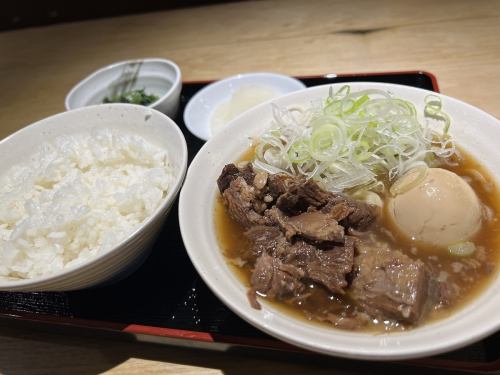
x=84 y=193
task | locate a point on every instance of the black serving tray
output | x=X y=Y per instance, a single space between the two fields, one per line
x=165 y=300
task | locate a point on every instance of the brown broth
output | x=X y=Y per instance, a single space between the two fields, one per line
x=477 y=270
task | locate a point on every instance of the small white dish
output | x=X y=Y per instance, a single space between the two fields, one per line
x=474 y=130
x=157 y=76
x=200 y=109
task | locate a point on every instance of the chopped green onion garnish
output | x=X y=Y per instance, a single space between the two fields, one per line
x=355 y=140
x=462 y=249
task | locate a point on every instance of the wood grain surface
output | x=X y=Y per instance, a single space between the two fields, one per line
x=458 y=41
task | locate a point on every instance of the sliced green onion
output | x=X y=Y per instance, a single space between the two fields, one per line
x=462 y=249
x=326 y=142
x=433 y=110
x=358 y=103
x=409 y=180
x=299 y=151
x=369 y=197
x=353 y=140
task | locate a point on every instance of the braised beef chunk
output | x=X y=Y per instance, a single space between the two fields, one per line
x=228 y=175
x=291 y=204
x=330 y=267
x=264 y=239
x=300 y=195
x=231 y=172
x=297 y=252
x=280 y=183
x=298 y=235
x=275 y=279
x=255 y=192
x=361 y=215
x=389 y=284
x=240 y=200
x=338 y=211
x=247 y=173
x=312 y=193
x=324 y=254
x=315 y=225
x=442 y=293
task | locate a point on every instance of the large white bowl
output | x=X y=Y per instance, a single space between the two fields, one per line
x=475 y=130
x=148 y=123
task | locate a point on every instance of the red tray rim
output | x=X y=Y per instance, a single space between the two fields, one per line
x=432 y=77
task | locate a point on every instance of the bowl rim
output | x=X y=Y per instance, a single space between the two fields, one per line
x=394 y=352
x=206 y=91
x=67 y=272
x=112 y=66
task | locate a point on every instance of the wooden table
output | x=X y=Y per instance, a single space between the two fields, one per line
x=458 y=41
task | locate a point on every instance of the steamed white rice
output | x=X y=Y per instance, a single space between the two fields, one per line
x=77 y=197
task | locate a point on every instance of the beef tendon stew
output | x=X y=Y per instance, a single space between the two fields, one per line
x=391 y=252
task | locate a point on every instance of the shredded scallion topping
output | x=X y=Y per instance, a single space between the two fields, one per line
x=354 y=141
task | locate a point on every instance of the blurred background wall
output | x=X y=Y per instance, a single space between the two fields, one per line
x=15 y=14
